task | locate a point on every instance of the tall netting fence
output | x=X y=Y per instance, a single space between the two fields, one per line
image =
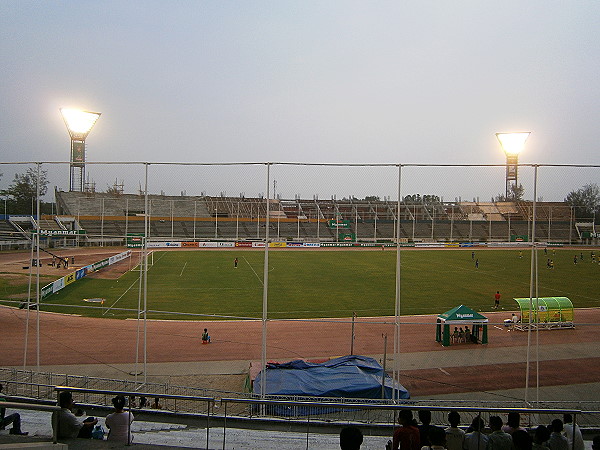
x=414 y=269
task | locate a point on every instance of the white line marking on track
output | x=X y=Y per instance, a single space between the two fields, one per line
x=443 y=371
x=183 y=268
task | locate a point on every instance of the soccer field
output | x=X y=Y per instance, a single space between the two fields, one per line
x=320 y=283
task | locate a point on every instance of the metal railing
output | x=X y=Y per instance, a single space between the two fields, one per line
x=37 y=407
x=309 y=417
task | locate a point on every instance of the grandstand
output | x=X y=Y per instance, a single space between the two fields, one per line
x=109 y=218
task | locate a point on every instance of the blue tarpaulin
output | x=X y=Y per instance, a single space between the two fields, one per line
x=348 y=376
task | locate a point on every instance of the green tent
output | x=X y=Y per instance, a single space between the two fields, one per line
x=546 y=313
x=461 y=316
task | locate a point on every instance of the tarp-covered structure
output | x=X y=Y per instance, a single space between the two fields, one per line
x=348 y=376
x=546 y=313
x=461 y=316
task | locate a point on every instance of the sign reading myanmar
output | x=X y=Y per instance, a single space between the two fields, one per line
x=60 y=232
x=338 y=223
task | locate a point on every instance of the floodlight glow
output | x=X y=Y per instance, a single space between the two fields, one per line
x=79 y=123
x=513 y=143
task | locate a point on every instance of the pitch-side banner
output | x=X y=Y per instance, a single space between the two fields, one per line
x=121 y=256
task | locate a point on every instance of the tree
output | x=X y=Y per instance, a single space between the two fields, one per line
x=371 y=198
x=23 y=191
x=515 y=193
x=417 y=198
x=586 y=200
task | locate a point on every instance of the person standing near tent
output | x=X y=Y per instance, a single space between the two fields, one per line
x=497 y=299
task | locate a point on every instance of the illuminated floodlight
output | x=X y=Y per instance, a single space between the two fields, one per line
x=79 y=123
x=513 y=143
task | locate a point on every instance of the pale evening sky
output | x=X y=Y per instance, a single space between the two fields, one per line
x=309 y=81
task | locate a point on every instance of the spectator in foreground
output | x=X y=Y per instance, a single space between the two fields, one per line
x=498 y=440
x=513 y=423
x=68 y=425
x=119 y=422
x=522 y=440
x=476 y=440
x=596 y=443
x=437 y=439
x=351 y=438
x=406 y=436
x=540 y=438
x=14 y=418
x=573 y=433
x=455 y=437
x=425 y=427
x=557 y=441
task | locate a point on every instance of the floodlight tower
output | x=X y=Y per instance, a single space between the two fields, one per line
x=512 y=144
x=79 y=124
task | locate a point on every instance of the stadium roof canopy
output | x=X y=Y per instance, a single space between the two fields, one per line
x=457 y=316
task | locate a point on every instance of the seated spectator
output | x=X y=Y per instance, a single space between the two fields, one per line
x=143 y=402
x=513 y=423
x=455 y=335
x=68 y=425
x=14 y=419
x=474 y=438
x=425 y=428
x=498 y=439
x=557 y=441
x=455 y=437
x=540 y=438
x=156 y=403
x=119 y=422
x=437 y=438
x=521 y=440
x=573 y=432
x=351 y=438
x=596 y=443
x=407 y=435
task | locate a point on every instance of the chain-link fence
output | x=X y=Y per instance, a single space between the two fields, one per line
x=285 y=261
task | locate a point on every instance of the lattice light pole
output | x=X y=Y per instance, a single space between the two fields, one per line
x=79 y=124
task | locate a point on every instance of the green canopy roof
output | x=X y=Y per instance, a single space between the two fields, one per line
x=462 y=313
x=546 y=309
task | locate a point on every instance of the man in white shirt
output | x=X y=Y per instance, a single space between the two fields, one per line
x=573 y=433
x=69 y=426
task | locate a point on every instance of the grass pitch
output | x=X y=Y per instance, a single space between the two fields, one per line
x=320 y=283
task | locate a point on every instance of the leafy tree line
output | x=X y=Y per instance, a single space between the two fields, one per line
x=20 y=196
x=586 y=200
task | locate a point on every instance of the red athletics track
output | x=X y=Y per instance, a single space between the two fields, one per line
x=68 y=340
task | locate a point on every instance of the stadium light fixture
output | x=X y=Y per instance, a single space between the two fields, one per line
x=79 y=124
x=512 y=144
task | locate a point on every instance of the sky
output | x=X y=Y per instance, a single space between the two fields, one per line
x=398 y=82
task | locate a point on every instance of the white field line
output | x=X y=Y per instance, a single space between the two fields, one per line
x=183 y=268
x=121 y=296
x=259 y=278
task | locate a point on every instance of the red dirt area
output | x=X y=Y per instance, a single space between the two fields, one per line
x=67 y=340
